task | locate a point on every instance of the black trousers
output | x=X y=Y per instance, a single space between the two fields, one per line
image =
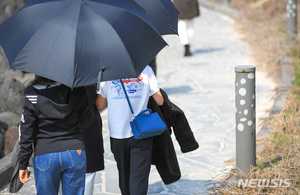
x=133 y=159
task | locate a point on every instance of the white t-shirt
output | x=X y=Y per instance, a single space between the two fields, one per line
x=138 y=89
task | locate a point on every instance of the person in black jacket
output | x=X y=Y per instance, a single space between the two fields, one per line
x=93 y=140
x=49 y=126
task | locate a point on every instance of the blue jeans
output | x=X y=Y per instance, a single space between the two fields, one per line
x=67 y=166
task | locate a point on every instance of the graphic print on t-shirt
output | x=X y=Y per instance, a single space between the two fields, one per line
x=133 y=86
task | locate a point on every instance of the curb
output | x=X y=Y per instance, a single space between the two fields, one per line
x=287 y=74
x=286 y=69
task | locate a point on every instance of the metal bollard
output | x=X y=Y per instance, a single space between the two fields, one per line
x=245 y=118
x=291 y=19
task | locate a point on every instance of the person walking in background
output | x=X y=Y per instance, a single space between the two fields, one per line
x=187 y=11
x=92 y=136
x=50 y=122
x=133 y=156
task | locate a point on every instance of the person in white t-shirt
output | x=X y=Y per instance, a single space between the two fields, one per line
x=133 y=156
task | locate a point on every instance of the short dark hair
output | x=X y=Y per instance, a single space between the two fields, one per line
x=39 y=80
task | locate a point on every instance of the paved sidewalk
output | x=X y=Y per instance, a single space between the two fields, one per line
x=203 y=86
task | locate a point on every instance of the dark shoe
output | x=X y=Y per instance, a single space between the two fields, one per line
x=187 y=50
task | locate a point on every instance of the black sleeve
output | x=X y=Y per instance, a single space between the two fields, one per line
x=28 y=128
x=86 y=116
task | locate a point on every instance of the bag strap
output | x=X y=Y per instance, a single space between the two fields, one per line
x=127 y=97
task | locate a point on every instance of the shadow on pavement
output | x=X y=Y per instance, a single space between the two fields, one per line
x=207 y=50
x=182 y=187
x=178 y=90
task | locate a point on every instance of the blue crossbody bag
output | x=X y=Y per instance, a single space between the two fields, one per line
x=146 y=123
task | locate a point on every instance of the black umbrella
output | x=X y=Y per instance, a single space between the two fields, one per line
x=162 y=13
x=72 y=41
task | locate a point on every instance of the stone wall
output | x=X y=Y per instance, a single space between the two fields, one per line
x=12 y=85
x=9 y=7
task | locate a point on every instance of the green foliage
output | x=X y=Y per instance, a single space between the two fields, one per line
x=286 y=157
x=262 y=165
x=268 y=163
x=295 y=91
x=281 y=32
x=288 y=112
x=297 y=181
x=296 y=58
x=280 y=138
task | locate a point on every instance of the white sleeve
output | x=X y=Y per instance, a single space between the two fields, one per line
x=153 y=84
x=103 y=89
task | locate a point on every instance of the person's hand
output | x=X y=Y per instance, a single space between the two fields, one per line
x=23 y=174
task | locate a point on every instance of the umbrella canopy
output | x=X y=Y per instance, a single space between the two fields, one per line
x=72 y=41
x=162 y=13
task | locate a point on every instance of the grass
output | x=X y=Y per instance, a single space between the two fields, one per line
x=262 y=22
x=295 y=51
